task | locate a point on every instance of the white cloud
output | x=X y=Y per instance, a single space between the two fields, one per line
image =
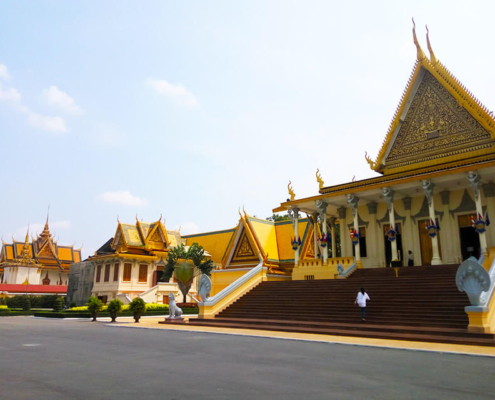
x=176 y=92
x=188 y=228
x=11 y=95
x=4 y=72
x=56 y=98
x=45 y=122
x=123 y=197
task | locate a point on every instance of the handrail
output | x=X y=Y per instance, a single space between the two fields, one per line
x=485 y=297
x=348 y=271
x=233 y=286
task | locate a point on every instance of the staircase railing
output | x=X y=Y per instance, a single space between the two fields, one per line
x=213 y=305
x=479 y=285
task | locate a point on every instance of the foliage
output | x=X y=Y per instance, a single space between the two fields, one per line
x=95 y=305
x=4 y=308
x=114 y=308
x=195 y=253
x=278 y=218
x=137 y=306
x=156 y=307
x=72 y=304
x=58 y=304
x=45 y=301
x=187 y=305
x=82 y=308
x=3 y=302
x=26 y=303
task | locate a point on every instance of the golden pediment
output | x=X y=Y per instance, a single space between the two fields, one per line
x=435 y=126
x=244 y=249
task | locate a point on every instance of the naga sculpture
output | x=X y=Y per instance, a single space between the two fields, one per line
x=473 y=279
x=173 y=309
x=204 y=287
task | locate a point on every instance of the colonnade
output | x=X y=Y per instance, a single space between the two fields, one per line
x=388 y=193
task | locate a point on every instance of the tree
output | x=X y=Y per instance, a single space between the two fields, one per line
x=186 y=263
x=58 y=304
x=95 y=305
x=114 y=308
x=278 y=218
x=137 y=306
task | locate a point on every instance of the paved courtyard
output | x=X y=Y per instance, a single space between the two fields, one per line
x=52 y=359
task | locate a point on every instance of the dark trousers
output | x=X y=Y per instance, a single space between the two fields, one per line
x=363 y=312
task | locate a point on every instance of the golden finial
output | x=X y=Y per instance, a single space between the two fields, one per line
x=421 y=54
x=291 y=191
x=240 y=212
x=369 y=160
x=354 y=178
x=160 y=217
x=433 y=59
x=118 y=221
x=137 y=218
x=319 y=179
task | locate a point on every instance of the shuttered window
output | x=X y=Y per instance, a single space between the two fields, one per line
x=127 y=272
x=98 y=273
x=116 y=272
x=143 y=273
x=107 y=272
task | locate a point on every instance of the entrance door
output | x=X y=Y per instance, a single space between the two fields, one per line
x=425 y=242
x=388 y=244
x=470 y=239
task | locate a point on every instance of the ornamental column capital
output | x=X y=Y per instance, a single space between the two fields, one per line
x=332 y=220
x=342 y=212
x=293 y=213
x=388 y=195
x=428 y=187
x=475 y=182
x=353 y=201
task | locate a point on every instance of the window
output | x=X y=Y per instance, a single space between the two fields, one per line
x=98 y=273
x=116 y=272
x=362 y=243
x=127 y=272
x=107 y=272
x=143 y=273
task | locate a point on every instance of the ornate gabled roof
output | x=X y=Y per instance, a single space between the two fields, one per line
x=144 y=235
x=437 y=120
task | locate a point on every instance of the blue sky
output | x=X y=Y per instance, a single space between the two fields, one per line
x=194 y=109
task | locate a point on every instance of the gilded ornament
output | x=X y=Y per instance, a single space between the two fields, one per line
x=319 y=179
x=291 y=191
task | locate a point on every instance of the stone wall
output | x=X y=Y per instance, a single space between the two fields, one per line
x=81 y=278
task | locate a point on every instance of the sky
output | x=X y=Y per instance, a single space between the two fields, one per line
x=192 y=110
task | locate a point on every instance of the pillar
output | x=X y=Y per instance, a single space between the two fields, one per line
x=408 y=233
x=373 y=235
x=342 y=211
x=428 y=187
x=332 y=230
x=449 y=254
x=489 y=192
x=294 y=216
x=353 y=203
x=315 y=234
x=322 y=209
x=475 y=182
x=388 y=195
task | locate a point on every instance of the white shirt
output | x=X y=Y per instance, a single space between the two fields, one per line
x=361 y=299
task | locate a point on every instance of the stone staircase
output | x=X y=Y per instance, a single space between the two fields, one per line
x=421 y=304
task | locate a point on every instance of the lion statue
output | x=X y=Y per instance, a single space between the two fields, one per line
x=204 y=287
x=174 y=310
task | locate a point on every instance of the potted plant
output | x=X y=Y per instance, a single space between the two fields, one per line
x=95 y=305
x=114 y=308
x=137 y=306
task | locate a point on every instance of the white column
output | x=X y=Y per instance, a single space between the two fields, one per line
x=388 y=195
x=344 y=234
x=475 y=182
x=322 y=209
x=449 y=253
x=372 y=236
x=294 y=216
x=315 y=234
x=334 y=243
x=353 y=202
x=428 y=187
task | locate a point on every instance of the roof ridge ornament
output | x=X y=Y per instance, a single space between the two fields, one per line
x=319 y=178
x=291 y=191
x=369 y=160
x=420 y=55
x=433 y=59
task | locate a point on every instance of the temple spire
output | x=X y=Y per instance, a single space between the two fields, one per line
x=421 y=55
x=433 y=59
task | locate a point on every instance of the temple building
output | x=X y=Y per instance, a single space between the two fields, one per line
x=131 y=263
x=40 y=266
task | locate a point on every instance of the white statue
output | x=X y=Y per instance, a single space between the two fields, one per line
x=204 y=287
x=173 y=309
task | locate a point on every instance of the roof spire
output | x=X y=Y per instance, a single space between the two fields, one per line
x=46 y=229
x=433 y=59
x=421 y=55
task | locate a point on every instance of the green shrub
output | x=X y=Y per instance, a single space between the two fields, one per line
x=72 y=304
x=82 y=308
x=26 y=303
x=4 y=308
x=58 y=304
x=114 y=307
x=45 y=301
x=95 y=305
x=138 y=307
x=156 y=307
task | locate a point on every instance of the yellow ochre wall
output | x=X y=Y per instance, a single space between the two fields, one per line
x=215 y=243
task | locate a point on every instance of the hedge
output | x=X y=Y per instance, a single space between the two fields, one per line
x=45 y=301
x=103 y=314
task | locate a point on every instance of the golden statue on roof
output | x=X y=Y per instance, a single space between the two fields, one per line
x=291 y=191
x=319 y=178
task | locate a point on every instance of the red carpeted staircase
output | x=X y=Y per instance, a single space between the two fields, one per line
x=421 y=304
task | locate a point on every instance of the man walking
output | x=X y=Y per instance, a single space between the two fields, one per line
x=361 y=298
